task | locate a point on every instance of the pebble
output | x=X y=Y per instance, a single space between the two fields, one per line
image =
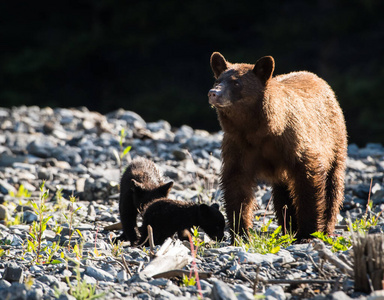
x=72 y=150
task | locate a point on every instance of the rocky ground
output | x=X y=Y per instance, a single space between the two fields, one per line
x=74 y=152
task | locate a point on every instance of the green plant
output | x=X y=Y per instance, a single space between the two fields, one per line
x=51 y=251
x=339 y=243
x=123 y=151
x=81 y=290
x=22 y=192
x=188 y=281
x=264 y=243
x=37 y=228
x=363 y=225
x=117 y=248
x=72 y=212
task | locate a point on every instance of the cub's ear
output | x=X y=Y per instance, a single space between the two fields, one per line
x=136 y=186
x=218 y=64
x=215 y=206
x=165 y=188
x=264 y=68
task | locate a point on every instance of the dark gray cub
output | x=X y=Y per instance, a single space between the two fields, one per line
x=142 y=182
x=167 y=217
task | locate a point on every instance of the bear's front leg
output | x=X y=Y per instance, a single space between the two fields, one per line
x=237 y=184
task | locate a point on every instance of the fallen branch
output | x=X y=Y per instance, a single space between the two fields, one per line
x=115 y=226
x=180 y=273
x=327 y=254
x=295 y=281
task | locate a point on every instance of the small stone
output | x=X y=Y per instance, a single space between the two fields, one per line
x=339 y=295
x=122 y=276
x=13 y=273
x=99 y=274
x=66 y=297
x=221 y=291
x=276 y=291
x=376 y=295
x=29 y=217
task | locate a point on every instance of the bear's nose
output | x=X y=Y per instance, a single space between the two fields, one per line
x=213 y=93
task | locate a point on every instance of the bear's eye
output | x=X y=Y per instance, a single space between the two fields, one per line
x=236 y=83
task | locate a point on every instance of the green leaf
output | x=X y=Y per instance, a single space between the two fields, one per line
x=275 y=249
x=78 y=231
x=55 y=262
x=126 y=150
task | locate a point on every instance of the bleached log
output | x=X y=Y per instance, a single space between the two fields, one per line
x=171 y=255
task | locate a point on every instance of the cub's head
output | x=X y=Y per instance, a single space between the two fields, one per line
x=212 y=221
x=143 y=194
x=235 y=82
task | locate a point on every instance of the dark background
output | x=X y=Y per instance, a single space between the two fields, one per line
x=152 y=57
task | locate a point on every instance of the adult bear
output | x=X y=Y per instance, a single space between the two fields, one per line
x=287 y=130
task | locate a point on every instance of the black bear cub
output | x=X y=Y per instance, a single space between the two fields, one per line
x=141 y=183
x=167 y=217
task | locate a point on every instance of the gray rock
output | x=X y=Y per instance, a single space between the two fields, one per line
x=99 y=274
x=16 y=291
x=376 y=295
x=4 y=284
x=221 y=291
x=42 y=147
x=275 y=292
x=66 y=297
x=13 y=273
x=69 y=154
x=340 y=295
x=29 y=217
x=6 y=188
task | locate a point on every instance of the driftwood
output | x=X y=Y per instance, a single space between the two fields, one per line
x=115 y=226
x=296 y=281
x=180 y=273
x=327 y=254
x=171 y=255
x=368 y=252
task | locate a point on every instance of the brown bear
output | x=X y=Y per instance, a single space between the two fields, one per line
x=287 y=130
x=167 y=217
x=141 y=183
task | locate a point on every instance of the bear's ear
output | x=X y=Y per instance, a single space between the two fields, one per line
x=165 y=188
x=218 y=64
x=264 y=68
x=215 y=206
x=136 y=186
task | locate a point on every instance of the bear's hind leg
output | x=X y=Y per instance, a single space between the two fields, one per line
x=308 y=193
x=334 y=194
x=284 y=209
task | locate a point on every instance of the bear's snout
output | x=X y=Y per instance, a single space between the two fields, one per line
x=213 y=96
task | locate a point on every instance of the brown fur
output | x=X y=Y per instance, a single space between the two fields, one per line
x=167 y=217
x=141 y=183
x=287 y=130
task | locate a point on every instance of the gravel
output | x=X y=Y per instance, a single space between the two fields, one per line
x=74 y=152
